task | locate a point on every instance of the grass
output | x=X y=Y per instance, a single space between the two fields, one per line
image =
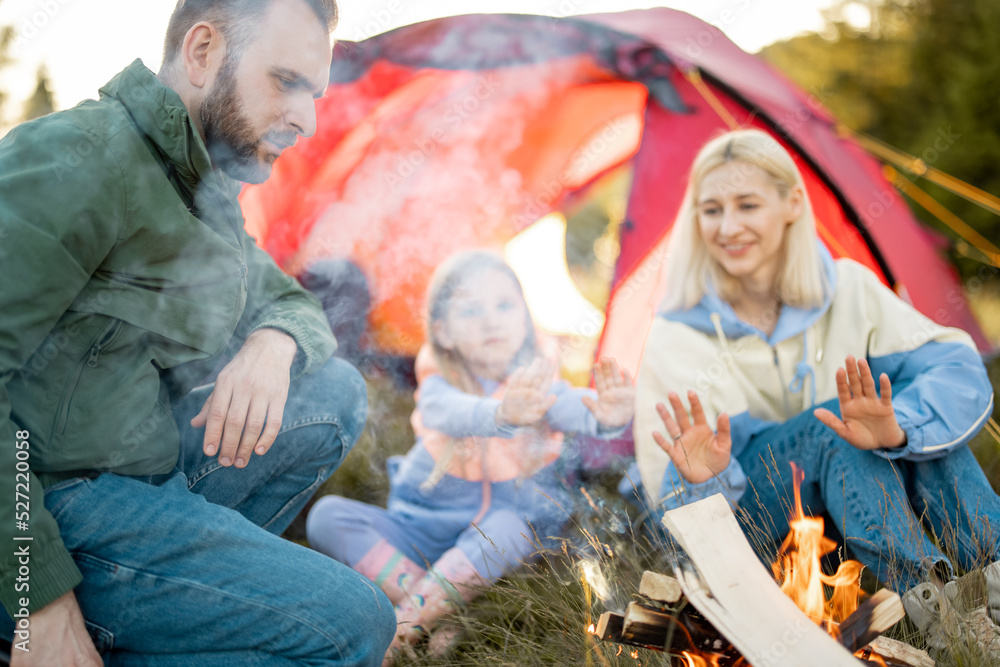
x=537 y=615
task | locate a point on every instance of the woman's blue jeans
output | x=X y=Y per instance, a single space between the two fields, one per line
x=189 y=569
x=883 y=509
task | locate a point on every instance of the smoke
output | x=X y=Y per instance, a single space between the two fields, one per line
x=591 y=570
x=435 y=169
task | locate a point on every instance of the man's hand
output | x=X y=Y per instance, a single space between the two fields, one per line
x=58 y=637
x=698 y=453
x=525 y=399
x=244 y=410
x=867 y=421
x=615 y=402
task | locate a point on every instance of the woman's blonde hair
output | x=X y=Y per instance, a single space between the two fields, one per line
x=692 y=272
x=451 y=277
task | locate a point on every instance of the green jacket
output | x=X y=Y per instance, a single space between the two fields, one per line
x=127 y=276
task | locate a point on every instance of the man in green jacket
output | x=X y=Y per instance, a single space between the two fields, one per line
x=139 y=512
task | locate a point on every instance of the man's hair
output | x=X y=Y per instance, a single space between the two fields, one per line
x=237 y=20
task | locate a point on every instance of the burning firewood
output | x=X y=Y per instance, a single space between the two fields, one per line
x=660 y=587
x=873 y=617
x=663 y=620
x=671 y=631
x=730 y=612
x=898 y=653
x=738 y=595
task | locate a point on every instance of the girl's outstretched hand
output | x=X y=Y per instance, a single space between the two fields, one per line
x=866 y=420
x=526 y=399
x=698 y=453
x=615 y=402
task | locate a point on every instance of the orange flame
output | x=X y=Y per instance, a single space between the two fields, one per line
x=592 y=629
x=798 y=569
x=692 y=660
x=700 y=660
x=871 y=657
x=866 y=653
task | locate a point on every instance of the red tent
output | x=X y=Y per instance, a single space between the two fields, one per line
x=463 y=131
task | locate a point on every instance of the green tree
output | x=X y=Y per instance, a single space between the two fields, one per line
x=41 y=102
x=957 y=58
x=6 y=39
x=922 y=77
x=857 y=73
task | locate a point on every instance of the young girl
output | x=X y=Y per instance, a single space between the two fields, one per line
x=480 y=485
x=779 y=347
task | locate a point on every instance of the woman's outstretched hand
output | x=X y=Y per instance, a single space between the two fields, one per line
x=867 y=421
x=526 y=400
x=698 y=452
x=615 y=402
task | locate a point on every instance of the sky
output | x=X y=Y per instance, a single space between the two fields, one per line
x=84 y=43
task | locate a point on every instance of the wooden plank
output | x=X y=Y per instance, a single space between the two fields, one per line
x=873 y=617
x=660 y=587
x=609 y=627
x=901 y=653
x=646 y=627
x=734 y=591
x=673 y=631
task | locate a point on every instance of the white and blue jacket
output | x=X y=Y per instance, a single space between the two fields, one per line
x=941 y=392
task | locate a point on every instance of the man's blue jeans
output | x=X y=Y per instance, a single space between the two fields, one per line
x=189 y=569
x=881 y=508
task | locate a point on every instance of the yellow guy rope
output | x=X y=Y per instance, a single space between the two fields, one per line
x=694 y=77
x=935 y=208
x=920 y=168
x=993 y=429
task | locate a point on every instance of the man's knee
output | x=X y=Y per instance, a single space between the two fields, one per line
x=361 y=617
x=347 y=392
x=334 y=394
x=379 y=634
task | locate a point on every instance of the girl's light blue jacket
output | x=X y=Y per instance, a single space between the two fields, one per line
x=542 y=499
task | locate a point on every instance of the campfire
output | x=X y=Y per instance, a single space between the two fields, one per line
x=797 y=570
x=725 y=610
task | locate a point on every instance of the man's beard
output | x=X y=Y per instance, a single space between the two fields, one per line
x=232 y=143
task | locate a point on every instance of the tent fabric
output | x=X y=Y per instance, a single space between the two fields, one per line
x=928 y=280
x=463 y=131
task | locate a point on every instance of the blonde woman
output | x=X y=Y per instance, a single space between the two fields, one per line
x=767 y=351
